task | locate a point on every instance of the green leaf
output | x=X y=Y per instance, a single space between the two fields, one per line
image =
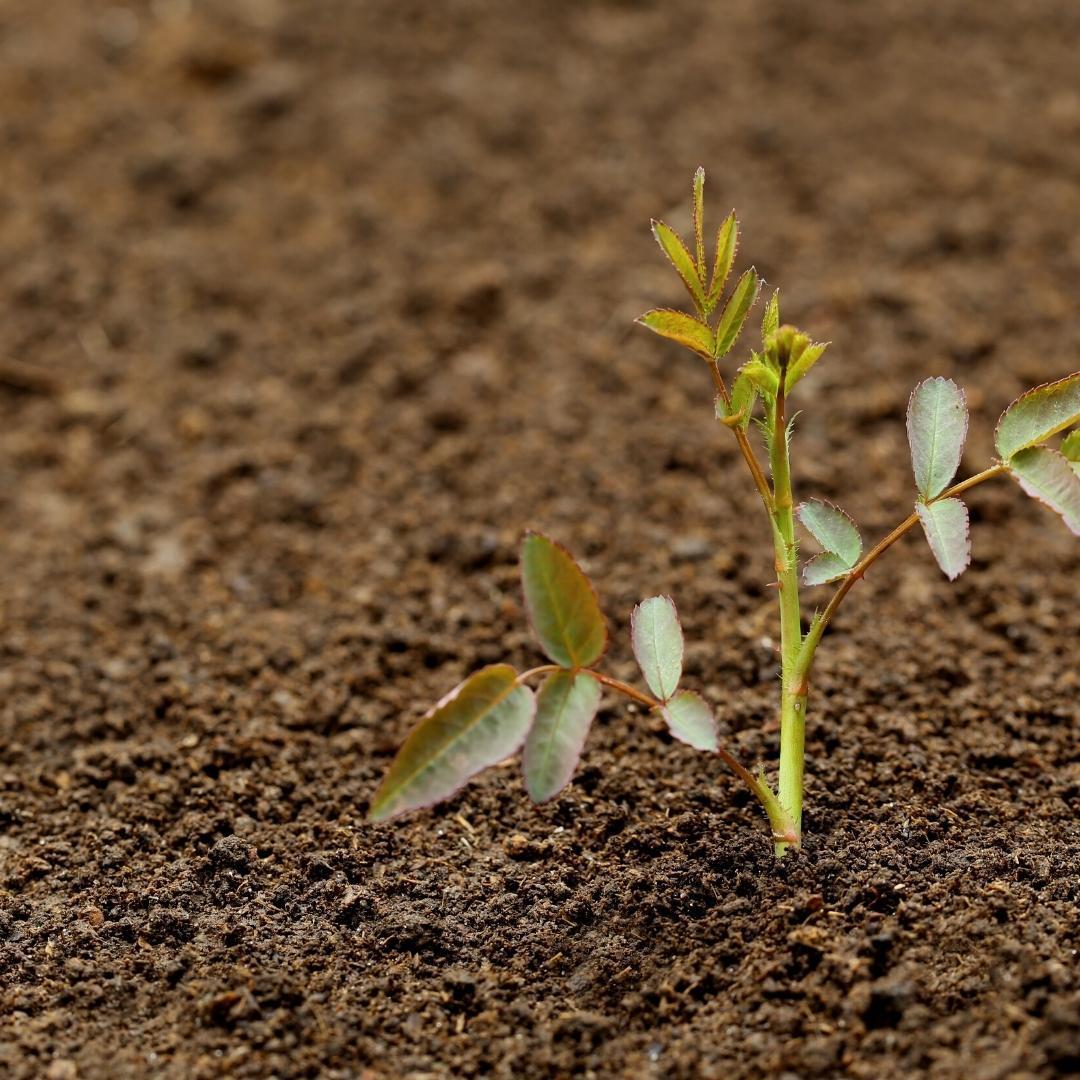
x=699 y=220
x=937 y=423
x=763 y=378
x=1035 y=416
x=1070 y=448
x=945 y=523
x=1049 y=477
x=808 y=357
x=673 y=247
x=727 y=242
x=735 y=311
x=823 y=568
x=771 y=322
x=562 y=604
x=565 y=707
x=743 y=399
x=481 y=722
x=658 y=644
x=832 y=529
x=690 y=720
x=682 y=328
x=787 y=347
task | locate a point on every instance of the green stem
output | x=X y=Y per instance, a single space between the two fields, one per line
x=785 y=829
x=793 y=691
x=792 y=763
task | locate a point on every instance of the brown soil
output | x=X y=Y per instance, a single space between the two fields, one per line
x=307 y=310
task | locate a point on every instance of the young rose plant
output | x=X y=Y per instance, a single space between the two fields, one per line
x=494 y=713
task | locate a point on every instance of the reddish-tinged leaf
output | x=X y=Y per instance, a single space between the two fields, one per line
x=671 y=244
x=937 y=423
x=565 y=707
x=690 y=720
x=682 y=328
x=735 y=311
x=562 y=604
x=945 y=523
x=1049 y=477
x=481 y=722
x=1033 y=417
x=658 y=644
x=727 y=241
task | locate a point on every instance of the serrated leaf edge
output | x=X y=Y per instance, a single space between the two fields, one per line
x=843 y=513
x=1026 y=393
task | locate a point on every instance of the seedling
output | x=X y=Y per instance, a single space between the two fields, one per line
x=494 y=713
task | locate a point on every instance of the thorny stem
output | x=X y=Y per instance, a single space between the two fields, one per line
x=858 y=571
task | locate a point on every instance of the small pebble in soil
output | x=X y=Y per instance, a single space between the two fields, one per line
x=520 y=847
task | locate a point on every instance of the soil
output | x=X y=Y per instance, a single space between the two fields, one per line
x=307 y=311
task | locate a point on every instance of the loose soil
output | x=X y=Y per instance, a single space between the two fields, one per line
x=307 y=310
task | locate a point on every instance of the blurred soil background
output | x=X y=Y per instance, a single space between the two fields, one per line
x=307 y=311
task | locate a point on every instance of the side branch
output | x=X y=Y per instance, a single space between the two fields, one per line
x=744 y=443
x=783 y=829
x=859 y=569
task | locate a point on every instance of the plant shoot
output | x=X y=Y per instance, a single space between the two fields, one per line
x=495 y=712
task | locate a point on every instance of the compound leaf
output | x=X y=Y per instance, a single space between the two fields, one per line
x=562 y=604
x=482 y=721
x=676 y=251
x=682 y=328
x=727 y=241
x=937 y=422
x=690 y=720
x=945 y=523
x=832 y=529
x=735 y=311
x=565 y=706
x=1049 y=477
x=1035 y=416
x=658 y=644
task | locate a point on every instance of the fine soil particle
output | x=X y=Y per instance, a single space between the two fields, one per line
x=307 y=311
